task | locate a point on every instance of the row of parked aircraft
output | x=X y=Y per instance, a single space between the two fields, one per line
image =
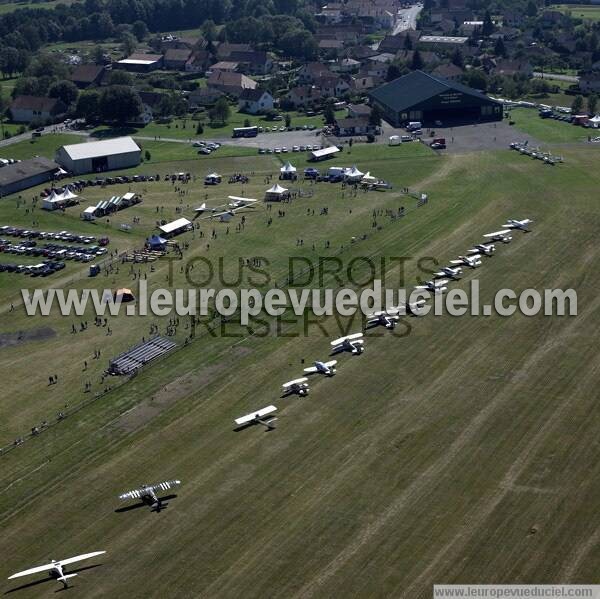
x=354 y=344
x=388 y=318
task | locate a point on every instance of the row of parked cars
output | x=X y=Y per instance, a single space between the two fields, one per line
x=206 y=147
x=52 y=250
x=60 y=236
x=285 y=150
x=44 y=269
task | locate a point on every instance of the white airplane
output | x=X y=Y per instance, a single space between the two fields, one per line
x=387 y=318
x=352 y=343
x=297 y=386
x=412 y=308
x=436 y=286
x=56 y=568
x=200 y=208
x=239 y=202
x=450 y=272
x=147 y=493
x=504 y=236
x=472 y=261
x=259 y=417
x=326 y=368
x=518 y=224
x=485 y=249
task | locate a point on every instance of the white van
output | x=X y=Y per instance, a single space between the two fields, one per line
x=414 y=125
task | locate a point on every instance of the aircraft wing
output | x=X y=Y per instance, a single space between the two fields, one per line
x=135 y=494
x=354 y=336
x=32 y=571
x=497 y=233
x=295 y=382
x=78 y=558
x=166 y=485
x=331 y=363
x=311 y=369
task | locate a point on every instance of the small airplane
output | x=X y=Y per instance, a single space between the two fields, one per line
x=504 y=236
x=387 y=318
x=412 y=308
x=297 y=386
x=435 y=286
x=239 y=202
x=352 y=343
x=56 y=568
x=201 y=208
x=326 y=368
x=450 y=272
x=472 y=261
x=147 y=493
x=485 y=249
x=261 y=416
x=519 y=224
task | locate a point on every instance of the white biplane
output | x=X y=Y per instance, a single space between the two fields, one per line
x=297 y=386
x=352 y=343
x=388 y=318
x=56 y=568
x=436 y=286
x=472 y=261
x=262 y=416
x=326 y=368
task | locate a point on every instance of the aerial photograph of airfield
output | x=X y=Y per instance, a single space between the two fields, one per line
x=299 y=299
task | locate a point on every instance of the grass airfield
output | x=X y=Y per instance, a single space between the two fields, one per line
x=466 y=451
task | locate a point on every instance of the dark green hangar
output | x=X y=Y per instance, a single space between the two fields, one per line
x=425 y=98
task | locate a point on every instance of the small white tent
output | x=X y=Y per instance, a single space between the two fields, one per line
x=353 y=174
x=368 y=178
x=276 y=193
x=594 y=121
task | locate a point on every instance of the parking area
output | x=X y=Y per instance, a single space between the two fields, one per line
x=278 y=139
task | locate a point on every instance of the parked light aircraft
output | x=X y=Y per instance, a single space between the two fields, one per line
x=435 y=286
x=485 y=249
x=472 y=261
x=352 y=343
x=147 y=493
x=326 y=368
x=387 y=318
x=56 y=568
x=261 y=416
x=297 y=386
x=451 y=272
x=519 y=224
x=413 y=308
x=504 y=236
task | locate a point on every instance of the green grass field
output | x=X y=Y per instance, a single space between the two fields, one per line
x=547 y=130
x=579 y=11
x=8 y=7
x=463 y=452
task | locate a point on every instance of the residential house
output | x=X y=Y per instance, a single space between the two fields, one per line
x=36 y=109
x=346 y=65
x=197 y=62
x=255 y=101
x=224 y=49
x=174 y=42
x=332 y=87
x=304 y=96
x=513 y=67
x=203 y=96
x=87 y=75
x=353 y=126
x=449 y=72
x=362 y=82
x=311 y=71
x=230 y=83
x=394 y=43
x=358 y=111
x=252 y=62
x=176 y=58
x=223 y=65
x=590 y=82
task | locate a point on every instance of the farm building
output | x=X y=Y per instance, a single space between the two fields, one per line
x=27 y=173
x=426 y=98
x=181 y=225
x=99 y=156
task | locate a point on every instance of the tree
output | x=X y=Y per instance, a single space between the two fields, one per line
x=488 y=25
x=119 y=77
x=128 y=43
x=97 y=55
x=209 y=30
x=408 y=45
x=3 y=109
x=416 y=63
x=329 y=115
x=500 y=48
x=119 y=103
x=457 y=58
x=88 y=105
x=147 y=155
x=246 y=122
x=375 y=116
x=393 y=72
x=9 y=61
x=577 y=105
x=140 y=30
x=299 y=43
x=531 y=9
x=220 y=111
x=288 y=120
x=592 y=104
x=199 y=129
x=64 y=90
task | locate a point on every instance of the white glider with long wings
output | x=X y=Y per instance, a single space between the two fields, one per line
x=56 y=568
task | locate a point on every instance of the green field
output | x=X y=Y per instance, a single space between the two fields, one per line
x=547 y=130
x=579 y=11
x=8 y=7
x=463 y=452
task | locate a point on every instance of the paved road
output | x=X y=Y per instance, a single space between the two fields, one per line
x=407 y=18
x=556 y=77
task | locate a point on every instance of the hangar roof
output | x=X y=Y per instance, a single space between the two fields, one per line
x=106 y=147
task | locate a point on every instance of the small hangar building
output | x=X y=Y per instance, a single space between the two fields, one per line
x=27 y=173
x=422 y=97
x=99 y=156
